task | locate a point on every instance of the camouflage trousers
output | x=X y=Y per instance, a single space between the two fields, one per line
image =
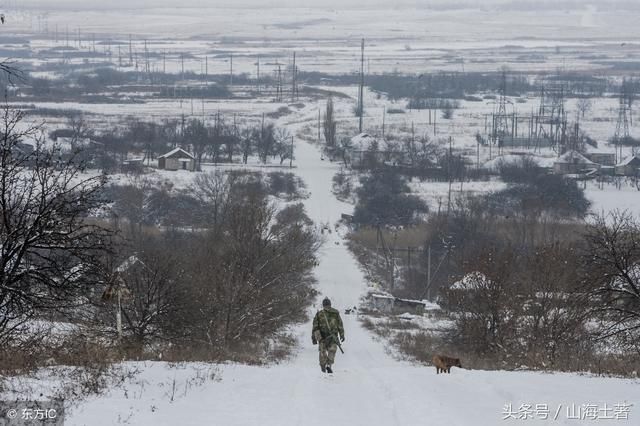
x=327 y=352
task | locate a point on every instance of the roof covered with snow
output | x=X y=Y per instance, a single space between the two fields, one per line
x=178 y=152
x=513 y=159
x=633 y=160
x=471 y=281
x=574 y=157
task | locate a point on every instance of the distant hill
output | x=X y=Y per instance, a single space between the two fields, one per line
x=330 y=4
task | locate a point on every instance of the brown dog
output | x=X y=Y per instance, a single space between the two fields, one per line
x=444 y=363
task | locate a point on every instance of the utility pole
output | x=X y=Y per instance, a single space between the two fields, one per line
x=294 y=83
x=384 y=116
x=130 y=51
x=146 y=58
x=258 y=76
x=413 y=134
x=361 y=89
x=429 y=272
x=279 y=87
x=435 y=130
x=319 y=125
x=450 y=176
x=477 y=153
x=119 y=314
x=291 y=154
x=231 y=69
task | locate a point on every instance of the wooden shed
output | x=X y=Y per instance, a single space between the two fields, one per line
x=629 y=167
x=177 y=159
x=572 y=162
x=602 y=158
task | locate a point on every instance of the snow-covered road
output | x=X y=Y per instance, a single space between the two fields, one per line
x=369 y=386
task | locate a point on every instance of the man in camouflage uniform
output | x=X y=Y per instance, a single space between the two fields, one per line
x=327 y=327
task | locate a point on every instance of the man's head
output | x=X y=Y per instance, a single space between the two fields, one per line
x=326 y=303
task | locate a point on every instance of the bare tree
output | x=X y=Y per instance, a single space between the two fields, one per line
x=266 y=142
x=49 y=250
x=247 y=138
x=553 y=318
x=613 y=272
x=80 y=130
x=197 y=135
x=213 y=190
x=154 y=302
x=330 y=124
x=284 y=146
x=584 y=105
x=486 y=310
x=423 y=152
x=260 y=277
x=10 y=72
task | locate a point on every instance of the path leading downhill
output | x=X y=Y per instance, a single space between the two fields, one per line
x=369 y=386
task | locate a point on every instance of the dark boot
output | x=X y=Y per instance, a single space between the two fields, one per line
x=324 y=370
x=329 y=370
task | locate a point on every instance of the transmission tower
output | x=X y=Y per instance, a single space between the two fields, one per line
x=501 y=125
x=551 y=120
x=623 y=132
x=622 y=127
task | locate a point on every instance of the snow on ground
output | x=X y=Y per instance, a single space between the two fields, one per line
x=436 y=194
x=414 y=39
x=370 y=387
x=607 y=198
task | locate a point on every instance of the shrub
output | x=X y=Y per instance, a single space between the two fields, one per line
x=384 y=199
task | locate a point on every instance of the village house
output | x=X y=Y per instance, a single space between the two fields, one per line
x=177 y=159
x=629 y=167
x=572 y=162
x=602 y=158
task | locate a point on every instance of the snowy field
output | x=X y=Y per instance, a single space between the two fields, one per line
x=414 y=39
x=371 y=386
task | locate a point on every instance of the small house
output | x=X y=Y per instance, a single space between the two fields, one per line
x=133 y=165
x=629 y=167
x=177 y=159
x=602 y=158
x=572 y=162
x=388 y=303
x=22 y=150
x=382 y=302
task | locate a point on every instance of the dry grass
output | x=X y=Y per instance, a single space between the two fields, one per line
x=421 y=346
x=413 y=236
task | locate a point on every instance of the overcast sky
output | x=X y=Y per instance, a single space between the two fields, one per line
x=115 y=4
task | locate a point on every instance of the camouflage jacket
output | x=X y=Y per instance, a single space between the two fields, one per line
x=332 y=318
